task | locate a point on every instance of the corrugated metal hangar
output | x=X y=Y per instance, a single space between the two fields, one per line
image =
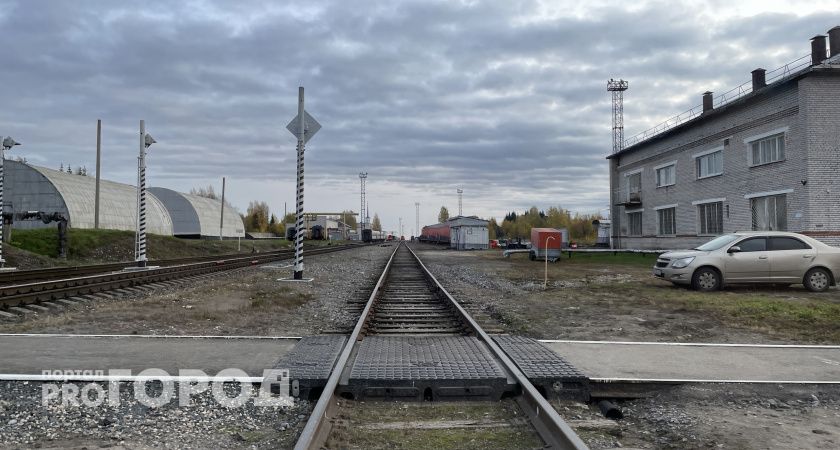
x=169 y=213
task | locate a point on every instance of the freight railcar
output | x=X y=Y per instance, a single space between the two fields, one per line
x=436 y=234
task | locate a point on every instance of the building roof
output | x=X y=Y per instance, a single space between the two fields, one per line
x=193 y=215
x=830 y=65
x=467 y=221
x=118 y=202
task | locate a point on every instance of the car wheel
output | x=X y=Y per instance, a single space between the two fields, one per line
x=817 y=280
x=705 y=279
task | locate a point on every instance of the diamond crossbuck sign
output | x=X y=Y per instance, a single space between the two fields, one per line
x=310 y=126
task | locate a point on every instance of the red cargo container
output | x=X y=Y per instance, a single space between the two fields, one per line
x=539 y=247
x=438 y=233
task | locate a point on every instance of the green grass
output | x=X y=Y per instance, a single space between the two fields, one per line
x=113 y=245
x=791 y=313
x=626 y=259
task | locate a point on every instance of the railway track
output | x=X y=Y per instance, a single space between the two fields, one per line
x=408 y=305
x=34 y=293
x=54 y=273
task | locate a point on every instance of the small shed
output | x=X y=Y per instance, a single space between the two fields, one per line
x=468 y=233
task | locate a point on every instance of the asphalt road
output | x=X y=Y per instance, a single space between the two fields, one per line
x=31 y=354
x=706 y=362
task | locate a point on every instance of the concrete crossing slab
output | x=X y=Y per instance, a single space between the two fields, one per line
x=655 y=361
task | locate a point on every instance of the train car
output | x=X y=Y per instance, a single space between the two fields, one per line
x=316 y=233
x=290 y=233
x=436 y=234
x=367 y=235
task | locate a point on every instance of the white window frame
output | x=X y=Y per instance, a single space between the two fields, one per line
x=658 y=227
x=628 y=175
x=757 y=137
x=696 y=157
x=775 y=211
x=656 y=170
x=641 y=222
x=697 y=211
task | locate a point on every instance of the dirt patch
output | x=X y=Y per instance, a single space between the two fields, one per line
x=717 y=416
x=618 y=299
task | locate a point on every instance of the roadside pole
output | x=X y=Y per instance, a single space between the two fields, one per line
x=303 y=127
x=545 y=280
x=8 y=143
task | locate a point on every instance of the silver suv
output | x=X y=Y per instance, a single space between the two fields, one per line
x=754 y=257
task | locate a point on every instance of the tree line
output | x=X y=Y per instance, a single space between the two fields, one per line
x=516 y=226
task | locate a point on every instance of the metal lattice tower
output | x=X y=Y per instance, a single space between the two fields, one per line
x=362 y=178
x=416 y=218
x=617 y=87
x=460 y=202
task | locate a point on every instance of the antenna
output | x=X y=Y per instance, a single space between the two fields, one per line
x=617 y=87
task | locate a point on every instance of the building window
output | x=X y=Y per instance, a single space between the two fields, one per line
x=634 y=220
x=634 y=187
x=710 y=218
x=769 y=213
x=667 y=222
x=767 y=150
x=710 y=165
x=666 y=176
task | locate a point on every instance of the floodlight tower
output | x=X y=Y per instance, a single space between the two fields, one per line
x=362 y=178
x=460 y=202
x=617 y=87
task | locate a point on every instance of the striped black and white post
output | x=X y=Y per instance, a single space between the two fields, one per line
x=8 y=143
x=298 y=268
x=146 y=140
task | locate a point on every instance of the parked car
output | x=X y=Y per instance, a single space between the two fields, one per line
x=754 y=257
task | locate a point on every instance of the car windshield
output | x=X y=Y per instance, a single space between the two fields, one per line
x=717 y=243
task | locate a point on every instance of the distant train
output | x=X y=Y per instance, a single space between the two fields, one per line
x=435 y=234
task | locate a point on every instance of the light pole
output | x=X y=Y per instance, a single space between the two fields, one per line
x=545 y=281
x=8 y=143
x=146 y=141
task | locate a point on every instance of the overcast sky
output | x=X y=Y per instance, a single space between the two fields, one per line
x=505 y=99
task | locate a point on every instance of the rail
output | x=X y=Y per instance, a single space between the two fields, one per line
x=52 y=273
x=554 y=431
x=36 y=292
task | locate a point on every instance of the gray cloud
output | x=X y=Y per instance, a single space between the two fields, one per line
x=423 y=95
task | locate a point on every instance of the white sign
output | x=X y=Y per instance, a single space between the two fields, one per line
x=310 y=126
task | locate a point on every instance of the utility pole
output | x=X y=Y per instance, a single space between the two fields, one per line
x=401 y=233
x=98 y=170
x=222 y=219
x=8 y=143
x=146 y=141
x=417 y=220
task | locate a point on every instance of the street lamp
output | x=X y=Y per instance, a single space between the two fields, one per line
x=146 y=141
x=8 y=143
x=545 y=281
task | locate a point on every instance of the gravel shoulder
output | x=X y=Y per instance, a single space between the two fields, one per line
x=247 y=302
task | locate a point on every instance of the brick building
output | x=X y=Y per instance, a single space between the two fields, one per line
x=765 y=156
